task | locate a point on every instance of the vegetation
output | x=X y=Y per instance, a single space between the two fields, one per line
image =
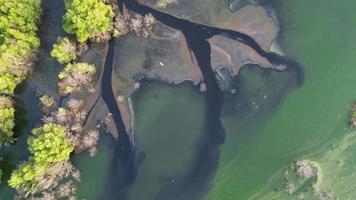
x=18 y=43
x=87 y=18
x=74 y=76
x=127 y=22
x=47 y=103
x=64 y=51
x=165 y=3
x=7 y=119
x=48 y=146
x=353 y=116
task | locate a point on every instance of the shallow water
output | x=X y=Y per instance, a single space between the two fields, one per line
x=268 y=123
x=168 y=129
x=319 y=35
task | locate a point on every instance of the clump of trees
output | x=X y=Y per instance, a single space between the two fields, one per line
x=18 y=44
x=87 y=18
x=48 y=172
x=126 y=22
x=48 y=146
x=74 y=77
x=64 y=51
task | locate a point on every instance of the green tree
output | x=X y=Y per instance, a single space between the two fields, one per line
x=87 y=18
x=64 y=51
x=24 y=177
x=49 y=144
x=7 y=83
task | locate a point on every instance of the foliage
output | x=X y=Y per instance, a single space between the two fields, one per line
x=24 y=177
x=7 y=83
x=49 y=145
x=18 y=40
x=74 y=76
x=47 y=103
x=7 y=117
x=87 y=18
x=64 y=51
x=18 y=43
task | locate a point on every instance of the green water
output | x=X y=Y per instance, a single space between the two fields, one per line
x=168 y=127
x=318 y=34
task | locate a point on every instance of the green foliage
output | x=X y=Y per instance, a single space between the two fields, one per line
x=49 y=144
x=18 y=40
x=7 y=83
x=18 y=43
x=7 y=118
x=86 y=18
x=64 y=51
x=24 y=177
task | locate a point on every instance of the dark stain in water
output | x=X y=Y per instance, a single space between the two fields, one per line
x=126 y=161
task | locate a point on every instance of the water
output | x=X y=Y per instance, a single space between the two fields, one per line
x=169 y=130
x=319 y=35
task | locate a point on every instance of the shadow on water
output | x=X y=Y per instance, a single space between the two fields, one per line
x=195 y=183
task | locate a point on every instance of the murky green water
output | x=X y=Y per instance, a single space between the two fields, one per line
x=268 y=124
x=319 y=34
x=169 y=124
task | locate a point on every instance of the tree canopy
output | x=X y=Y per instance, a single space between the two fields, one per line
x=48 y=146
x=18 y=43
x=64 y=51
x=87 y=18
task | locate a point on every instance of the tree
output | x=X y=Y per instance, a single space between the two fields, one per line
x=7 y=83
x=74 y=76
x=24 y=177
x=64 y=51
x=87 y=18
x=49 y=144
x=48 y=147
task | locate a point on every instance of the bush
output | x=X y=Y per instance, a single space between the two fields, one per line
x=64 y=51
x=87 y=18
x=74 y=76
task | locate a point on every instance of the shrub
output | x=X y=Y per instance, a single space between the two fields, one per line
x=87 y=18
x=64 y=51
